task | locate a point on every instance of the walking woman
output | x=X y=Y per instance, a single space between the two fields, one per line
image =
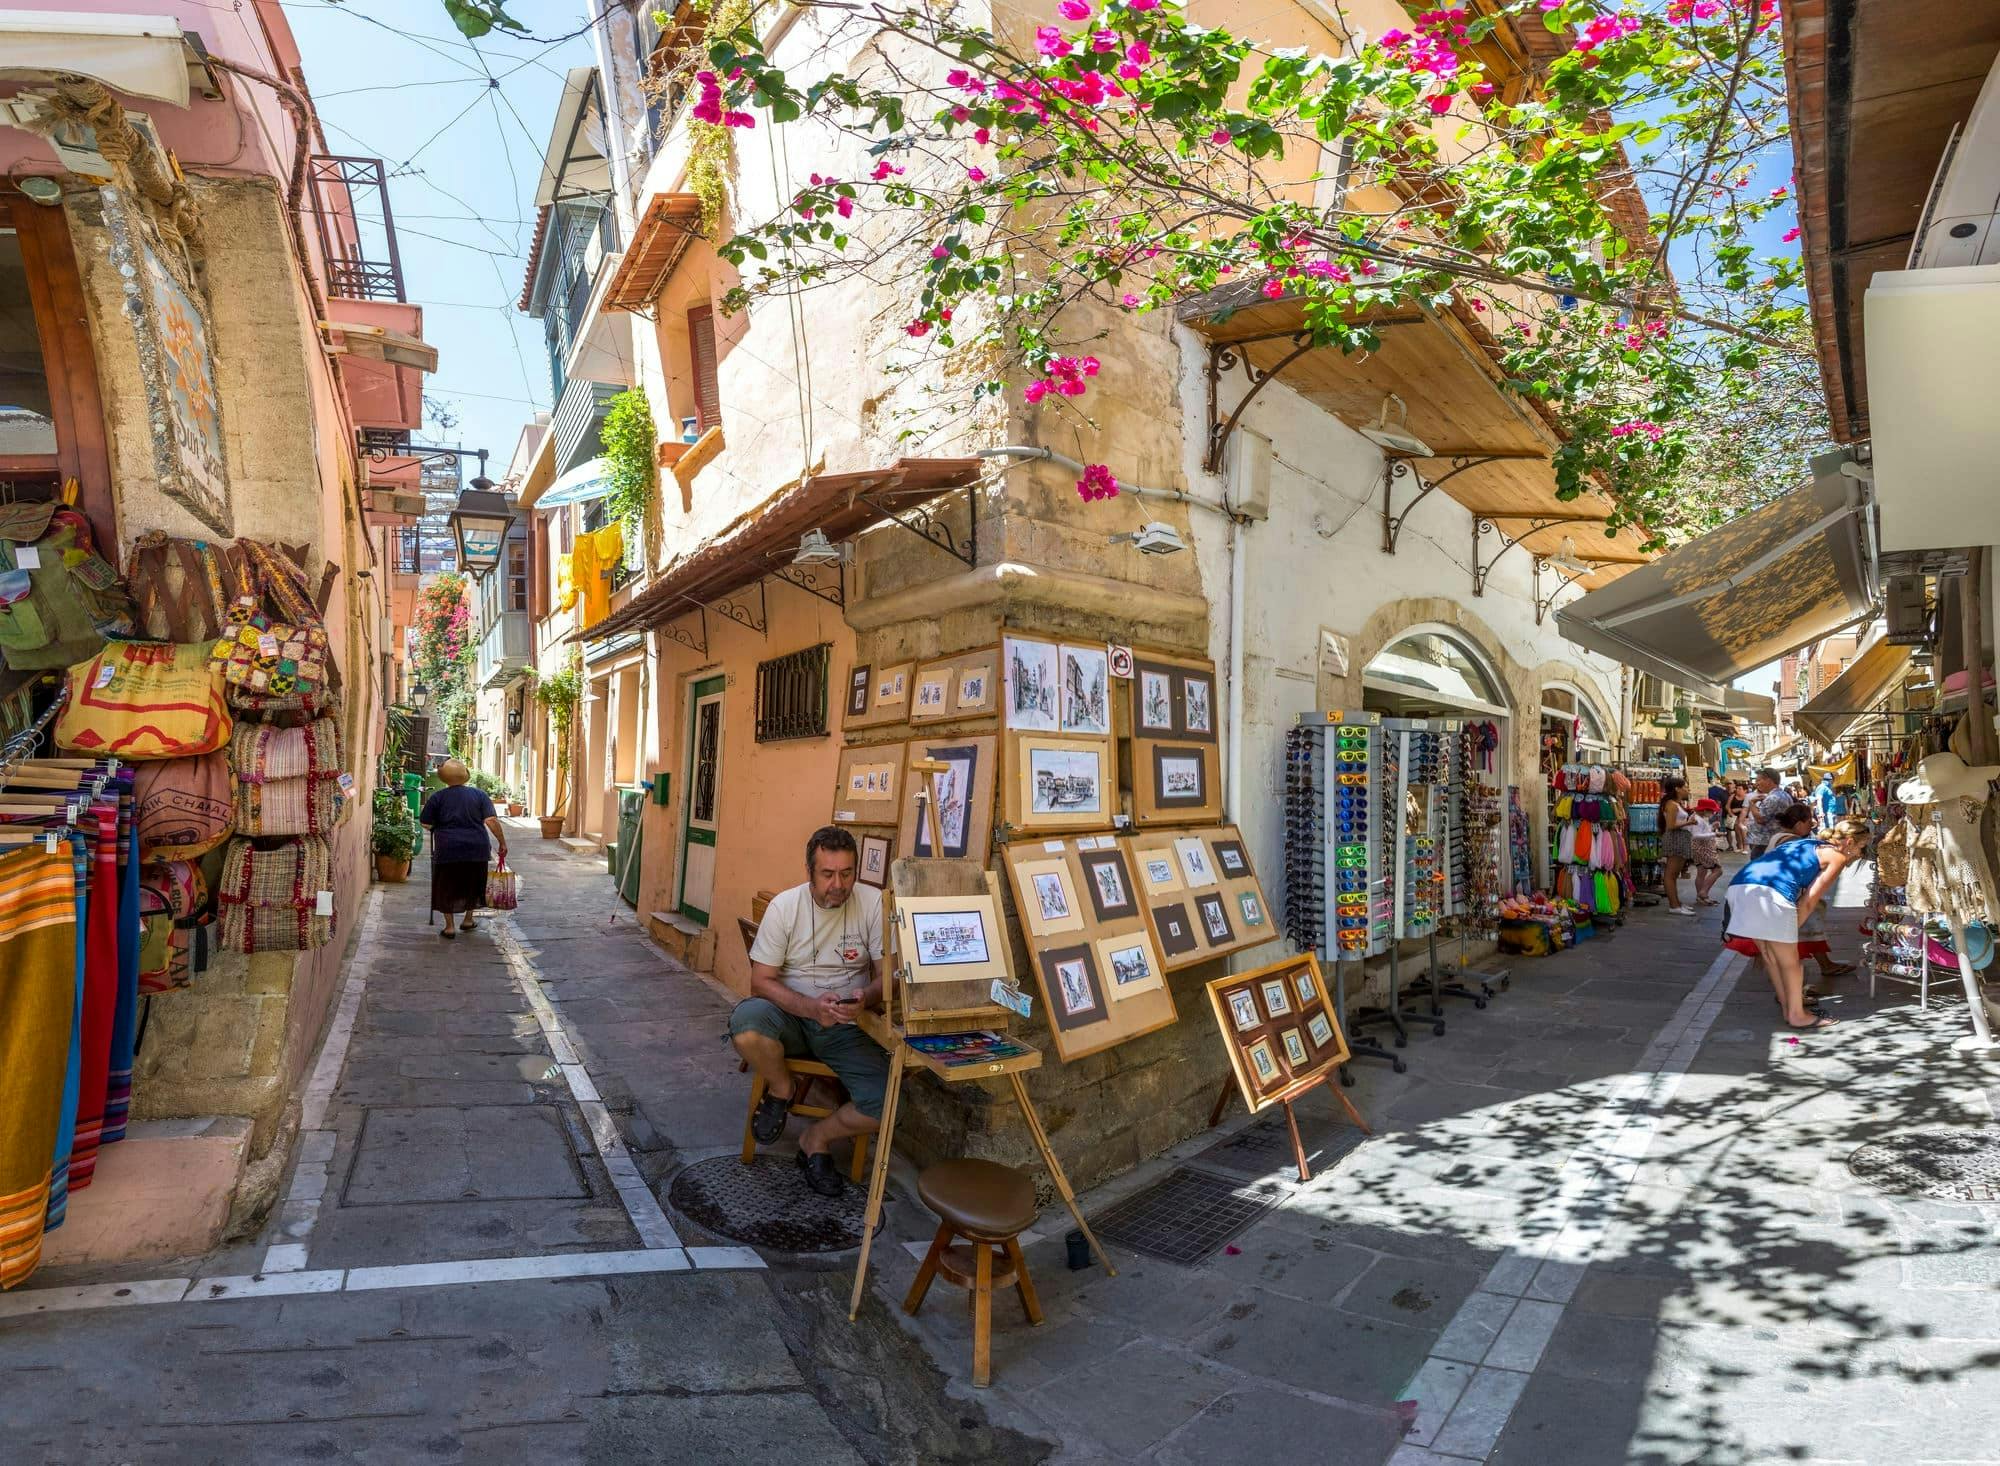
x=458 y=817
x=1775 y=892
x=1676 y=839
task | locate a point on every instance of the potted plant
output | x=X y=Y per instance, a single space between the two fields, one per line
x=561 y=694
x=394 y=836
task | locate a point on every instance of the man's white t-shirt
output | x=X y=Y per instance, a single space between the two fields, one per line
x=821 y=953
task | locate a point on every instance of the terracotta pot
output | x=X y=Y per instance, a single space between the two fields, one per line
x=551 y=826
x=511 y=809
x=388 y=868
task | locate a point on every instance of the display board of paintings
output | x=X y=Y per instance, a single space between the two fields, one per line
x=1176 y=753
x=1056 y=687
x=961 y=798
x=868 y=788
x=966 y=685
x=1279 y=1028
x=876 y=695
x=1056 y=783
x=1099 y=971
x=1199 y=892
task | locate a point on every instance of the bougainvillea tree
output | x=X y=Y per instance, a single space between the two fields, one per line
x=444 y=630
x=1599 y=223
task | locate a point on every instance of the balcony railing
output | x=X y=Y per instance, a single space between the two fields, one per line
x=506 y=648
x=409 y=550
x=357 y=233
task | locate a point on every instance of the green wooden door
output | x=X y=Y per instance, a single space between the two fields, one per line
x=704 y=772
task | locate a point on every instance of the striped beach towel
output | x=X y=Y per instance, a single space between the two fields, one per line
x=37 y=1002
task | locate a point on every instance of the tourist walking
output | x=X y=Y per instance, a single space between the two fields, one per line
x=1761 y=808
x=1676 y=839
x=1707 y=864
x=459 y=818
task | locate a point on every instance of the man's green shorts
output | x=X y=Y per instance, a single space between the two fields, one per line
x=852 y=1055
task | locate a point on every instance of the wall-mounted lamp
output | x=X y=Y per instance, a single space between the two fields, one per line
x=816 y=549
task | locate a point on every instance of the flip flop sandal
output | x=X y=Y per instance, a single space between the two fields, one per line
x=1819 y=1021
x=448 y=936
x=769 y=1121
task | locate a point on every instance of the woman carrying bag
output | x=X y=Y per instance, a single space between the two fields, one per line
x=459 y=817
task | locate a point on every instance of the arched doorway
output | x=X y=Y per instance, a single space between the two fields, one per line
x=1571 y=729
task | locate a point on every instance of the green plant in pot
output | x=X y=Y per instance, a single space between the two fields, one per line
x=561 y=693
x=395 y=836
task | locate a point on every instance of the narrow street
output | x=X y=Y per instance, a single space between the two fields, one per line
x=1609 y=1218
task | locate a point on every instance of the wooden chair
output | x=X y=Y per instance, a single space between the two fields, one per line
x=988 y=1205
x=805 y=1072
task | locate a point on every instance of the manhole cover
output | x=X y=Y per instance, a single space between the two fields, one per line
x=1944 y=1165
x=768 y=1204
x=1185 y=1215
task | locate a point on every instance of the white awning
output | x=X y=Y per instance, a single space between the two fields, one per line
x=574 y=164
x=1854 y=694
x=141 y=55
x=1742 y=595
x=580 y=485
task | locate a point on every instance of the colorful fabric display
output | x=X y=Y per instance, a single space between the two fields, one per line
x=38 y=947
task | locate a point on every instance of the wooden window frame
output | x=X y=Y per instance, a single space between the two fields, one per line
x=707 y=389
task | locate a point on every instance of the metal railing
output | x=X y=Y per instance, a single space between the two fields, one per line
x=357 y=233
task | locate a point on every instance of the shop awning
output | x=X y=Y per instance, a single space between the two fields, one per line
x=580 y=485
x=1742 y=595
x=140 y=55
x=659 y=240
x=1854 y=694
x=840 y=505
x=1490 y=448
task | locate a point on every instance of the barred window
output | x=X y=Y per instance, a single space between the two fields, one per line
x=791 y=695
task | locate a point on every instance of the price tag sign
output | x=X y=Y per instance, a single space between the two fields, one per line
x=27 y=557
x=324 y=906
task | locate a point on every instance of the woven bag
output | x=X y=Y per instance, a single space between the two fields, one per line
x=287 y=779
x=182 y=805
x=268 y=897
x=1892 y=855
x=144 y=700
x=271 y=658
x=182 y=589
x=62 y=608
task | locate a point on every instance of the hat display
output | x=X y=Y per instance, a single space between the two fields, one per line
x=1945 y=776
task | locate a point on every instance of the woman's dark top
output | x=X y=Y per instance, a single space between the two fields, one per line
x=457 y=818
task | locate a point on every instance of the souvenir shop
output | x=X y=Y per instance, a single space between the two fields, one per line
x=170 y=767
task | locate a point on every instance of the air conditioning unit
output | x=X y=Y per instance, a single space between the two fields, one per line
x=1652 y=695
x=1907 y=611
x=1961 y=220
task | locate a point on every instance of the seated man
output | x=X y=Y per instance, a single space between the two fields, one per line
x=817 y=961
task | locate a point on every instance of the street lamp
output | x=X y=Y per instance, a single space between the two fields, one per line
x=480 y=523
x=420 y=696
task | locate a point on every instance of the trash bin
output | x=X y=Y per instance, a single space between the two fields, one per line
x=413 y=792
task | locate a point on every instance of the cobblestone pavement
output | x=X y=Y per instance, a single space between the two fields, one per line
x=1607 y=1219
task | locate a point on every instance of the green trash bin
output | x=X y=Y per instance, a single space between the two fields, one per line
x=413 y=792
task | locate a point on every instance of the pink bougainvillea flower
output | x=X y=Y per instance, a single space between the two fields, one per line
x=977 y=175
x=1142 y=4
x=1219 y=137
x=938 y=252
x=738 y=119
x=1552 y=4
x=1791 y=234
x=1780 y=191
x=1128 y=300
x=1139 y=52
x=980 y=135
x=883 y=169
x=1394 y=38
x=706 y=111
x=1035 y=391
x=960 y=114
x=1104 y=41
x=957 y=77
x=844 y=207
x=1273 y=287
x=1074 y=9
x=1439 y=104
x=1482 y=89
x=1051 y=42
x=917 y=328
x=1096 y=483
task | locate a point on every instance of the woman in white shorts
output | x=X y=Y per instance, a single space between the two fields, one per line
x=1773 y=893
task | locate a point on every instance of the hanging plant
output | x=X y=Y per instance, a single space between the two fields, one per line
x=629 y=442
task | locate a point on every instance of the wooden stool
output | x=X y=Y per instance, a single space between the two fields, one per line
x=803 y=1072
x=989 y=1205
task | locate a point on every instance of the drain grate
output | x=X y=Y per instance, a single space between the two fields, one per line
x=1185 y=1215
x=1265 y=1149
x=1944 y=1165
x=768 y=1204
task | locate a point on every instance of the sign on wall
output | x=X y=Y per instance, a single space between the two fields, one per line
x=177 y=365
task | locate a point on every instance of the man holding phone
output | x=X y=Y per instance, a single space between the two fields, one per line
x=816 y=962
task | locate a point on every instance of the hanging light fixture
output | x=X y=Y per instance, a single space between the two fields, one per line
x=816 y=549
x=480 y=524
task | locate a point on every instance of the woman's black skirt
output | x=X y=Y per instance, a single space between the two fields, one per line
x=458 y=886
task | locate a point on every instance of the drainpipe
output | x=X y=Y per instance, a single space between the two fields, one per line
x=1232 y=785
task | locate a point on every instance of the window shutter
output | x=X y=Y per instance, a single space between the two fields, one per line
x=701 y=355
x=540 y=564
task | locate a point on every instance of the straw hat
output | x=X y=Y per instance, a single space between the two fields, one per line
x=1945 y=776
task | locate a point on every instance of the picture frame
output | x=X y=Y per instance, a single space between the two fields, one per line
x=1175 y=929
x=1180 y=776
x=1196 y=869
x=1194 y=705
x=1243 y=1010
x=1277 y=998
x=1108 y=884
x=1072 y=987
x=1249 y=908
x=955 y=686
x=1047 y=901
x=1059 y=783
x=933 y=698
x=950 y=938
x=1127 y=966
x=1214 y=916
x=1084 y=689
x=859 y=683
x=872 y=862
x=892 y=689
x=1032 y=684
x=1230 y=861
x=1158 y=868
x=961 y=799
x=886 y=698
x=1295 y=1049
x=1320 y=1028
x=1264 y=1064
x=975 y=689
x=868 y=781
x=1306 y=986
x=1153 y=701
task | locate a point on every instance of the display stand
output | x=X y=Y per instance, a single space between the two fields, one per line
x=1412 y=820
x=1297 y=1091
x=920 y=1009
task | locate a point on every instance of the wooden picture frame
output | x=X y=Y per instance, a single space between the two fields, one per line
x=1201 y=913
x=1275 y=1056
x=872 y=861
x=1107 y=883
x=1044 y=777
x=951 y=938
x=1086 y=956
x=958 y=686
x=859 y=796
x=1048 y=899
x=1083 y=689
x=860 y=683
x=1031 y=683
x=1176 y=745
x=966 y=834
x=888 y=696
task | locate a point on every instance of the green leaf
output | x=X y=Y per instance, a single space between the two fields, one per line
x=476 y=18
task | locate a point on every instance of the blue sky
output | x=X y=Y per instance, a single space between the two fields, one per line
x=394 y=79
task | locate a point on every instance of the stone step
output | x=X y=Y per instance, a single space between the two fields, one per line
x=165 y=1190
x=687 y=941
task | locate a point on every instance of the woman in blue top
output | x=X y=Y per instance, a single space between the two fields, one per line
x=1775 y=892
x=458 y=817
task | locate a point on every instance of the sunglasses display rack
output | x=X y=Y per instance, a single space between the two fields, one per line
x=1339 y=898
x=1429 y=755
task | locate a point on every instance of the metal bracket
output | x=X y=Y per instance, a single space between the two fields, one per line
x=1224 y=356
x=812 y=580
x=930 y=527
x=1399 y=467
x=736 y=607
x=1483 y=525
x=675 y=632
x=1544 y=604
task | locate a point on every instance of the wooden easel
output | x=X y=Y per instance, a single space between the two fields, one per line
x=951 y=1012
x=1303 y=1087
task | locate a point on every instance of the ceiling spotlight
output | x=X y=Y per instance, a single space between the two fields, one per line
x=816 y=549
x=1155 y=538
x=1396 y=437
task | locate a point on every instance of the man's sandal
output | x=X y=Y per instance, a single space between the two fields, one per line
x=768 y=1123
